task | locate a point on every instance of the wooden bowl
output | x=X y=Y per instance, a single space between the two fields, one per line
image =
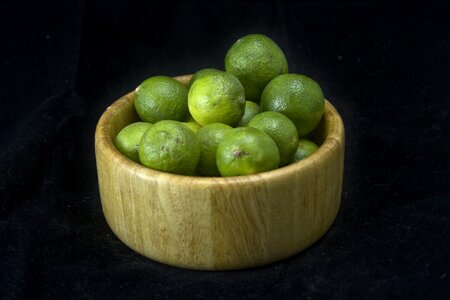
x=215 y=223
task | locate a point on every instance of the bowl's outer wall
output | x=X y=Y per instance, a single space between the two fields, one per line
x=219 y=223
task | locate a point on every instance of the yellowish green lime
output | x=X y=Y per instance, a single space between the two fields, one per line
x=245 y=151
x=192 y=125
x=281 y=130
x=217 y=98
x=210 y=136
x=298 y=97
x=161 y=98
x=305 y=148
x=128 y=139
x=201 y=73
x=251 y=110
x=170 y=146
x=255 y=59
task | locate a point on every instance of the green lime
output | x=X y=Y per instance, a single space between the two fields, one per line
x=170 y=146
x=210 y=136
x=200 y=74
x=255 y=59
x=298 y=97
x=217 y=98
x=128 y=139
x=251 y=110
x=281 y=130
x=246 y=150
x=192 y=125
x=190 y=122
x=161 y=98
x=305 y=148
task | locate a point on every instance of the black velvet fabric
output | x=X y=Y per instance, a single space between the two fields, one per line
x=384 y=65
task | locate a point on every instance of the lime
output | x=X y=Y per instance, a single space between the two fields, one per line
x=170 y=146
x=305 y=148
x=246 y=150
x=298 y=97
x=210 y=136
x=251 y=110
x=190 y=122
x=200 y=74
x=255 y=59
x=161 y=98
x=192 y=125
x=281 y=130
x=128 y=139
x=217 y=98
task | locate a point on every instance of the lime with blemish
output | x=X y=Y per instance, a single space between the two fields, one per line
x=245 y=151
x=170 y=146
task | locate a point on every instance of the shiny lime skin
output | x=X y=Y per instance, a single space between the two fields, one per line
x=281 y=130
x=128 y=139
x=255 y=59
x=210 y=136
x=305 y=148
x=201 y=73
x=251 y=110
x=217 y=98
x=161 y=98
x=298 y=97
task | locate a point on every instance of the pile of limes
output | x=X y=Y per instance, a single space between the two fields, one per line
x=250 y=118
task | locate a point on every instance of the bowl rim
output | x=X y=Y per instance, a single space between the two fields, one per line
x=104 y=142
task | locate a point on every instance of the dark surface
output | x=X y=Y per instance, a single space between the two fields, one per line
x=385 y=66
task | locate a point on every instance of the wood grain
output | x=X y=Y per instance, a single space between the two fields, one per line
x=214 y=223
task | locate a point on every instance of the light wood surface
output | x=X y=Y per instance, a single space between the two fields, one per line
x=215 y=223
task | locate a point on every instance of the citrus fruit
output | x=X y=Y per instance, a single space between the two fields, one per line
x=161 y=98
x=305 y=148
x=255 y=59
x=170 y=146
x=190 y=122
x=209 y=137
x=192 y=125
x=298 y=97
x=128 y=139
x=281 y=130
x=217 y=98
x=251 y=110
x=201 y=73
x=246 y=150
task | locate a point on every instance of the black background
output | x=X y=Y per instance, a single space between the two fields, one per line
x=384 y=65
